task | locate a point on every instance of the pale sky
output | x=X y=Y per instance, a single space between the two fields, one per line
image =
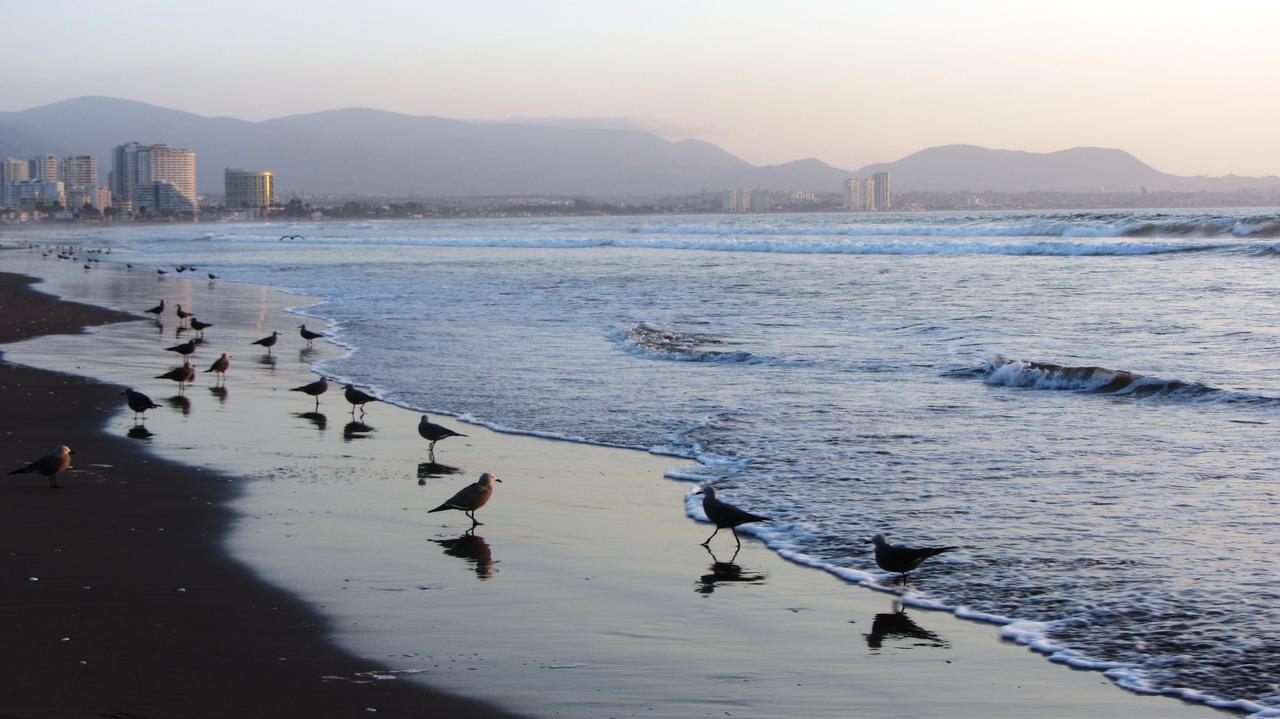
x=1191 y=88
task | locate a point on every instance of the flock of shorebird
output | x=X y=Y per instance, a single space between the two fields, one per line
x=898 y=559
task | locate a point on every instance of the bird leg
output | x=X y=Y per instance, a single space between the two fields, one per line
x=735 y=536
x=713 y=536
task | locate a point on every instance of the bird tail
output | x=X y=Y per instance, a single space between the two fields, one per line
x=24 y=470
x=298 y=389
x=208 y=370
x=441 y=508
x=933 y=551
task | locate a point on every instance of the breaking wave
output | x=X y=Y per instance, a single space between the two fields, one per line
x=656 y=342
x=1005 y=372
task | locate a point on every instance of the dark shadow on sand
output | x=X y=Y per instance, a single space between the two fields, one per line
x=355 y=430
x=180 y=403
x=726 y=573
x=139 y=431
x=896 y=625
x=474 y=550
x=317 y=419
x=429 y=470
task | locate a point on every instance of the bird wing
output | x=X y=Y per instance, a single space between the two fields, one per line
x=723 y=514
x=468 y=498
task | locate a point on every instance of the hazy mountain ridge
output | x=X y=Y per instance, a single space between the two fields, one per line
x=357 y=150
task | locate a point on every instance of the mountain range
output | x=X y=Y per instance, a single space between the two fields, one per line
x=359 y=150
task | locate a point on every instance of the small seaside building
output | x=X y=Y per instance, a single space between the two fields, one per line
x=12 y=170
x=27 y=194
x=248 y=189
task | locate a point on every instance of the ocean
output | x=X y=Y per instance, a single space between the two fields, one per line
x=1085 y=403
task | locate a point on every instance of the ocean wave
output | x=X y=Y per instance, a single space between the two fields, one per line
x=656 y=342
x=1005 y=372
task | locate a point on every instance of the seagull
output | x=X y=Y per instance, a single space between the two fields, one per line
x=315 y=389
x=162 y=273
x=291 y=237
x=220 y=366
x=434 y=433
x=723 y=514
x=268 y=341
x=138 y=402
x=471 y=497
x=308 y=335
x=182 y=375
x=900 y=559
x=199 y=326
x=56 y=462
x=183 y=349
x=356 y=397
x=183 y=315
x=212 y=277
x=157 y=310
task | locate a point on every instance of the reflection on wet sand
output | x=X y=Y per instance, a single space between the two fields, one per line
x=219 y=392
x=472 y=548
x=139 y=431
x=427 y=470
x=180 y=403
x=725 y=572
x=316 y=418
x=355 y=430
x=268 y=361
x=897 y=625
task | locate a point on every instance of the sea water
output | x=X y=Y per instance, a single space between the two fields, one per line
x=1085 y=403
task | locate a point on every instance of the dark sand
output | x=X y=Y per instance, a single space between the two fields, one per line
x=92 y=618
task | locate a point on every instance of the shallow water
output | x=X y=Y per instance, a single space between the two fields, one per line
x=956 y=379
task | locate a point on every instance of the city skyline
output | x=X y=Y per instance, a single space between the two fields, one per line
x=850 y=84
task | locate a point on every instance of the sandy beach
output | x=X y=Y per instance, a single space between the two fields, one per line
x=252 y=557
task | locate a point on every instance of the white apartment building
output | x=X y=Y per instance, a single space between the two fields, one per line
x=78 y=171
x=26 y=194
x=43 y=167
x=137 y=171
x=12 y=170
x=248 y=188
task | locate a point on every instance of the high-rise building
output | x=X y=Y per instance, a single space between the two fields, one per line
x=248 y=188
x=124 y=170
x=859 y=195
x=137 y=169
x=882 y=193
x=79 y=171
x=43 y=167
x=12 y=170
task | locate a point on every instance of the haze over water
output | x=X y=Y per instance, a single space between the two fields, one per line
x=946 y=378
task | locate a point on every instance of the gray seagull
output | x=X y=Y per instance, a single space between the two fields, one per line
x=51 y=465
x=138 y=402
x=434 y=433
x=900 y=559
x=722 y=514
x=471 y=497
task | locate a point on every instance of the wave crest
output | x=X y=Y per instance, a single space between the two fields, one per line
x=657 y=342
x=1005 y=372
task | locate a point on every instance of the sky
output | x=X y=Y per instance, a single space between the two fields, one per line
x=1191 y=88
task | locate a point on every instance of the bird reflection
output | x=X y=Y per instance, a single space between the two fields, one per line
x=472 y=548
x=355 y=430
x=220 y=392
x=897 y=625
x=180 y=403
x=305 y=354
x=268 y=360
x=140 y=431
x=316 y=418
x=427 y=470
x=723 y=572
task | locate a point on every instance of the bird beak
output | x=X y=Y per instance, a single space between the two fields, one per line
x=698 y=492
x=496 y=479
x=870 y=541
x=71 y=451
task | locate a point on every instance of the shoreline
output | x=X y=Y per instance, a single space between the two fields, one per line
x=120 y=599
x=978 y=649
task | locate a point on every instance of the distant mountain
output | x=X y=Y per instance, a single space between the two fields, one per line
x=385 y=153
x=957 y=168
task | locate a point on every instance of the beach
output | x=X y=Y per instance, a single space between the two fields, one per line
x=257 y=558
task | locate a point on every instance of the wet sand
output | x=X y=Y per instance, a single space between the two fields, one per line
x=584 y=594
